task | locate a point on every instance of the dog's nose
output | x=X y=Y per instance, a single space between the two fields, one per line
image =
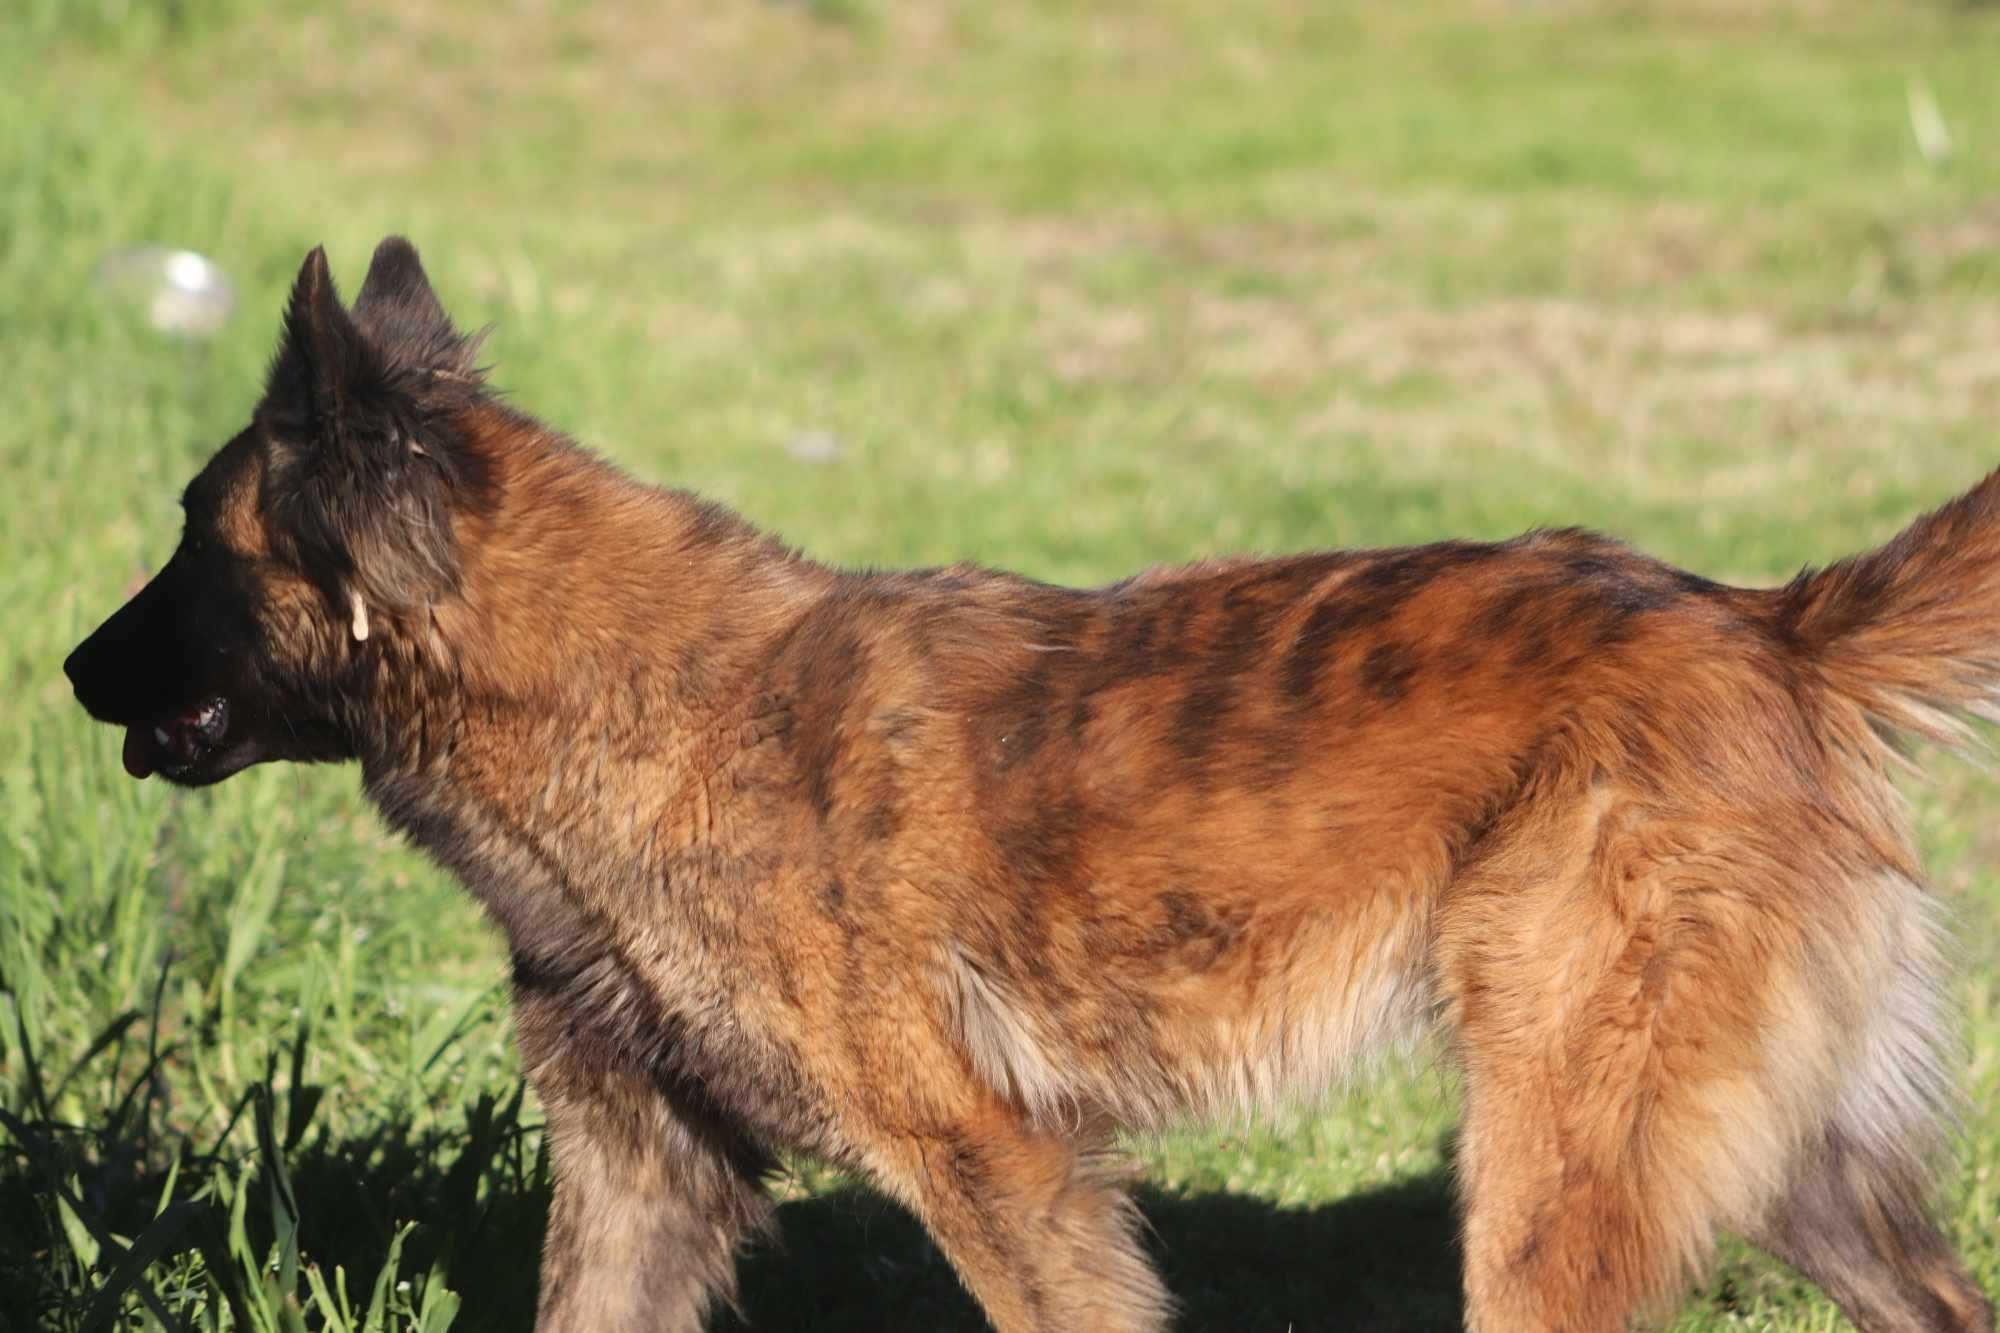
x=85 y=668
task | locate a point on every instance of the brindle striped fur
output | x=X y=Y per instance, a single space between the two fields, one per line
x=944 y=875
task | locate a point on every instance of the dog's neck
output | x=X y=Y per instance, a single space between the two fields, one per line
x=585 y=600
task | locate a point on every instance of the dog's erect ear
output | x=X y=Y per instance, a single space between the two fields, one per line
x=396 y=282
x=404 y=316
x=361 y=410
x=324 y=360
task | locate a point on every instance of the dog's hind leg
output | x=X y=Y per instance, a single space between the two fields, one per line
x=652 y=1196
x=1630 y=1006
x=1855 y=1214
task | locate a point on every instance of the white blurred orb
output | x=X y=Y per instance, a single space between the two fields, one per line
x=181 y=292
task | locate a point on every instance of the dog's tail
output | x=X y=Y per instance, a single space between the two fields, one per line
x=1910 y=632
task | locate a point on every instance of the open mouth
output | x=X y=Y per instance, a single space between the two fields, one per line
x=178 y=744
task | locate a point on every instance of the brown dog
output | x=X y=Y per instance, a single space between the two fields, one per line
x=942 y=875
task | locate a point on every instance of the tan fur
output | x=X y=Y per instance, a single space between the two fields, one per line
x=944 y=875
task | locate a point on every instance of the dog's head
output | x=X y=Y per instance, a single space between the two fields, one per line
x=326 y=523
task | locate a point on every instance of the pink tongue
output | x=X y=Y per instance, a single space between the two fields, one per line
x=136 y=761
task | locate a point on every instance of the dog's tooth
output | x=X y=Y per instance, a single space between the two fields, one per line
x=160 y=735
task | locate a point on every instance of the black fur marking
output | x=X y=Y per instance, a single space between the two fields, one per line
x=1186 y=917
x=1018 y=720
x=1369 y=599
x=1387 y=671
x=1469 y=843
x=1505 y=614
x=1316 y=638
x=1250 y=609
x=972 y=1181
x=1081 y=712
x=823 y=697
x=1199 y=937
x=1623 y=592
x=1536 y=648
x=1695 y=584
x=1043 y=848
x=1060 y=675
x=1197 y=719
x=882 y=822
x=1149 y=629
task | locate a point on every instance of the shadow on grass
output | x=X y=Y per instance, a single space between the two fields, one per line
x=1384 y=1260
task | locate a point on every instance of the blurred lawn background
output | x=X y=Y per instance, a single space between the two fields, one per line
x=1064 y=288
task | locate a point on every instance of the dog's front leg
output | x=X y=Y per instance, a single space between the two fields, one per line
x=652 y=1196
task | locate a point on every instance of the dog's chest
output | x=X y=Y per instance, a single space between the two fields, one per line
x=643 y=952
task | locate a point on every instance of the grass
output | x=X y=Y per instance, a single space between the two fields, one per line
x=1064 y=291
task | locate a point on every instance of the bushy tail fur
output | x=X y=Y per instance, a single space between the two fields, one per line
x=1911 y=631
